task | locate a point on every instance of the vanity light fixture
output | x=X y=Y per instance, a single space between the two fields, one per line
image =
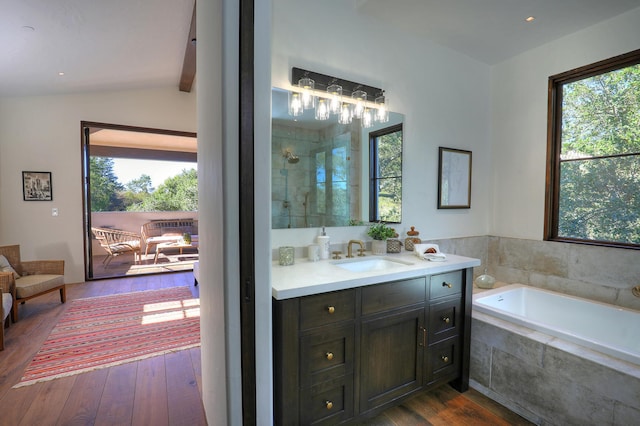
x=366 y=119
x=382 y=111
x=345 y=114
x=334 y=96
x=295 y=104
x=307 y=85
x=335 y=93
x=359 y=97
x=322 y=110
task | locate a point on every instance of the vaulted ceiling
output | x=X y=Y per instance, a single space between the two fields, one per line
x=132 y=44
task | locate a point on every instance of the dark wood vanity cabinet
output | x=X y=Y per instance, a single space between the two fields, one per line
x=351 y=353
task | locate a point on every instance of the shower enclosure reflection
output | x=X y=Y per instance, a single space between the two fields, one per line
x=319 y=169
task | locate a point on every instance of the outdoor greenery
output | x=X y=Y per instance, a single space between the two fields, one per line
x=177 y=193
x=600 y=158
x=388 y=179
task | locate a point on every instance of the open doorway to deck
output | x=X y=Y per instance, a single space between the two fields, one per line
x=140 y=200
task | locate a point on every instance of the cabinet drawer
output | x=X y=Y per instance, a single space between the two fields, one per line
x=326 y=355
x=328 y=403
x=443 y=359
x=384 y=297
x=445 y=319
x=327 y=308
x=443 y=285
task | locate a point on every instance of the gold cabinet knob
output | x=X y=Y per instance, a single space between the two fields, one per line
x=446 y=320
x=328 y=404
x=445 y=358
x=331 y=309
x=329 y=355
x=446 y=284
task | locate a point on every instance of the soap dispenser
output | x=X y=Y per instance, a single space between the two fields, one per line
x=323 y=242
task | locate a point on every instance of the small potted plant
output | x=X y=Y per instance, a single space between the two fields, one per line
x=186 y=237
x=380 y=232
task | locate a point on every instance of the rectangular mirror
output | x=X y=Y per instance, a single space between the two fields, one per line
x=454 y=179
x=320 y=168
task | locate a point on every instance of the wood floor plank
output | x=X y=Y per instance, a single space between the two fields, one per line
x=150 y=405
x=15 y=403
x=82 y=405
x=116 y=405
x=196 y=363
x=47 y=405
x=182 y=390
x=499 y=410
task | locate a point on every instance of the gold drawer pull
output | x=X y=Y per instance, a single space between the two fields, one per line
x=328 y=404
x=446 y=320
x=446 y=284
x=331 y=309
x=445 y=358
x=329 y=355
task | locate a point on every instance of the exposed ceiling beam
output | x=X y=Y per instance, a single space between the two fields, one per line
x=189 y=64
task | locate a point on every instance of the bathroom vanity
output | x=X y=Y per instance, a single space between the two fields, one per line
x=350 y=341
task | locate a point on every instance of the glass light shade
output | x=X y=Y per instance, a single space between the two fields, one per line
x=382 y=111
x=367 y=118
x=345 y=114
x=322 y=109
x=295 y=104
x=360 y=97
x=306 y=85
x=335 y=96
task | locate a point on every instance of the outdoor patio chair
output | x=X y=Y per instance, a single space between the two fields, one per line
x=117 y=242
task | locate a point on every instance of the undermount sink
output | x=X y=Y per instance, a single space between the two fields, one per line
x=369 y=264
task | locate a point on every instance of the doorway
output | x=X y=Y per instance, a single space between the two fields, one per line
x=140 y=200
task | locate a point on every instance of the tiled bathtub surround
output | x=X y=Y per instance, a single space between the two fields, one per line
x=548 y=380
x=598 y=273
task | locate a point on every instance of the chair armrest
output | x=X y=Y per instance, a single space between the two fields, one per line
x=36 y=267
x=7 y=283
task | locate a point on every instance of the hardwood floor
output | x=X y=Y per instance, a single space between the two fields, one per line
x=445 y=406
x=166 y=390
x=163 y=390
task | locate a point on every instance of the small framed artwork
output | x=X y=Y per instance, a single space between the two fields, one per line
x=454 y=179
x=36 y=186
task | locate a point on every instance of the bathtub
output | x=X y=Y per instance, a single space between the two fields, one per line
x=605 y=328
x=556 y=359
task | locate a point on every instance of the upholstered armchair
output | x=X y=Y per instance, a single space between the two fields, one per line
x=30 y=278
x=8 y=293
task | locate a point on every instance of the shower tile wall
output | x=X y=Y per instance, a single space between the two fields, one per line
x=293 y=182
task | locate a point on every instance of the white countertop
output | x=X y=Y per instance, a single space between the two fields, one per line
x=305 y=278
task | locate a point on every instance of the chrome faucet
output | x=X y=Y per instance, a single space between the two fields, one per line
x=350 y=248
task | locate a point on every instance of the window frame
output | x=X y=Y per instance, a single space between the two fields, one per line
x=554 y=143
x=373 y=167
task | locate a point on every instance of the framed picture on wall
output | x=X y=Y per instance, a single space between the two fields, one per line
x=36 y=186
x=454 y=179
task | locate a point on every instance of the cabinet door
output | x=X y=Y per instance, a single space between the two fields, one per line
x=391 y=357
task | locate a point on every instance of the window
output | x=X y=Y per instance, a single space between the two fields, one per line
x=331 y=174
x=593 y=154
x=385 y=175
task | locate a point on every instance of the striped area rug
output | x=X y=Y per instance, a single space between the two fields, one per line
x=101 y=332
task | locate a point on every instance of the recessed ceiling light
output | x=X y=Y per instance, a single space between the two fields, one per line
x=61 y=73
x=530 y=19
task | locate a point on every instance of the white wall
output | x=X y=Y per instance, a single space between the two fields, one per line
x=444 y=96
x=519 y=91
x=43 y=134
